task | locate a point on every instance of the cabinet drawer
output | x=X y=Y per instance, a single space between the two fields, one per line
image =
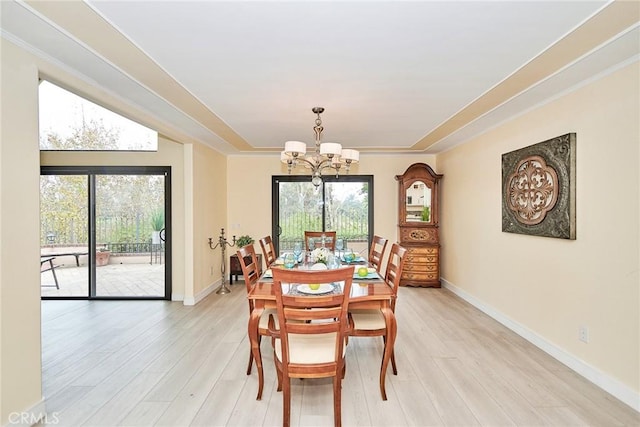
x=420 y=276
x=423 y=267
x=412 y=259
x=429 y=250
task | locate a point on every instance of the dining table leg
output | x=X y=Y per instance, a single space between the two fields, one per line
x=254 y=321
x=390 y=322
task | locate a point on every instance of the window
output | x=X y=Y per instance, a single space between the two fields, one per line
x=71 y=123
x=343 y=204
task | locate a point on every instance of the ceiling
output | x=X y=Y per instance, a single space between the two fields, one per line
x=242 y=77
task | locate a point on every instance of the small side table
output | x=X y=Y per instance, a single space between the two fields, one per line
x=236 y=270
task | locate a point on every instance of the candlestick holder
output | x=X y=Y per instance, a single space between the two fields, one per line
x=222 y=243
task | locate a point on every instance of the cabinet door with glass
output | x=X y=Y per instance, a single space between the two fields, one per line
x=418 y=225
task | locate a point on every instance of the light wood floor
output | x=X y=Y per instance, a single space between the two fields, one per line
x=134 y=363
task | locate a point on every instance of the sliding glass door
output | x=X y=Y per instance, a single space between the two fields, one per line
x=343 y=204
x=64 y=235
x=117 y=242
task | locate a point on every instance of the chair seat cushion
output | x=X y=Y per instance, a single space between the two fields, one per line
x=367 y=320
x=264 y=318
x=309 y=349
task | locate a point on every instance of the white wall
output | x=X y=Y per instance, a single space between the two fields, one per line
x=547 y=288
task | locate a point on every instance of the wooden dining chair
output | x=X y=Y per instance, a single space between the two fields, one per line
x=378 y=245
x=329 y=239
x=311 y=339
x=251 y=272
x=370 y=322
x=268 y=251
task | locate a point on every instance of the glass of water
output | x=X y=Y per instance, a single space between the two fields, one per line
x=339 y=246
x=289 y=260
x=349 y=256
x=297 y=250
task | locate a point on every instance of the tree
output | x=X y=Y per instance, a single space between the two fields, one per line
x=124 y=203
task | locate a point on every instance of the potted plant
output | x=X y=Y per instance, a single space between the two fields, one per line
x=244 y=241
x=102 y=256
x=157 y=224
x=426 y=213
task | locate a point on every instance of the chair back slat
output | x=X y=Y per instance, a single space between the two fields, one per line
x=329 y=239
x=378 y=245
x=395 y=265
x=268 y=250
x=313 y=314
x=249 y=265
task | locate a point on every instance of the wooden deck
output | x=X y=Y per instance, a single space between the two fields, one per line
x=113 y=280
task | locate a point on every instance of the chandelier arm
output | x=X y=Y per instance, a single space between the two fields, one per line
x=302 y=159
x=328 y=155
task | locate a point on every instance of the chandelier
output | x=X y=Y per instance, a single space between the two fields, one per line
x=327 y=155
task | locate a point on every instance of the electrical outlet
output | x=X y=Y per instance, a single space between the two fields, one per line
x=583 y=333
x=211 y=271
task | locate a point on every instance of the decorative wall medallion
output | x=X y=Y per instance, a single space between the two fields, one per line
x=538 y=189
x=533 y=190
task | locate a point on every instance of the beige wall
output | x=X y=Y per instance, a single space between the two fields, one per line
x=550 y=287
x=20 y=371
x=250 y=211
x=210 y=215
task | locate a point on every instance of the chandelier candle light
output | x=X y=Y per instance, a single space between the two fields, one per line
x=327 y=155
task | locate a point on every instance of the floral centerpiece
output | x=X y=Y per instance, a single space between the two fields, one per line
x=320 y=255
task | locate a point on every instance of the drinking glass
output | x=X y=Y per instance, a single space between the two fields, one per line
x=289 y=260
x=297 y=250
x=339 y=246
x=349 y=256
x=333 y=262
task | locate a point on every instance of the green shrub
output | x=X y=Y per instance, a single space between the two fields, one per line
x=244 y=241
x=157 y=220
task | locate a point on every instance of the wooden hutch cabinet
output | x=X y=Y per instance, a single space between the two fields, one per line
x=418 y=225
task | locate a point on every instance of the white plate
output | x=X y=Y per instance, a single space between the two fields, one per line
x=323 y=289
x=318 y=266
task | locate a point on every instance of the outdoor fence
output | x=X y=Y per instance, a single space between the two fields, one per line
x=350 y=225
x=132 y=233
x=62 y=230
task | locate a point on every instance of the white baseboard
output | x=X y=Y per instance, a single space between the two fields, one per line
x=203 y=293
x=177 y=297
x=32 y=416
x=612 y=386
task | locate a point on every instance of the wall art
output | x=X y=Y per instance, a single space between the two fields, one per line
x=539 y=189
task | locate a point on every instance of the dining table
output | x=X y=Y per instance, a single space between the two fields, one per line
x=369 y=292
